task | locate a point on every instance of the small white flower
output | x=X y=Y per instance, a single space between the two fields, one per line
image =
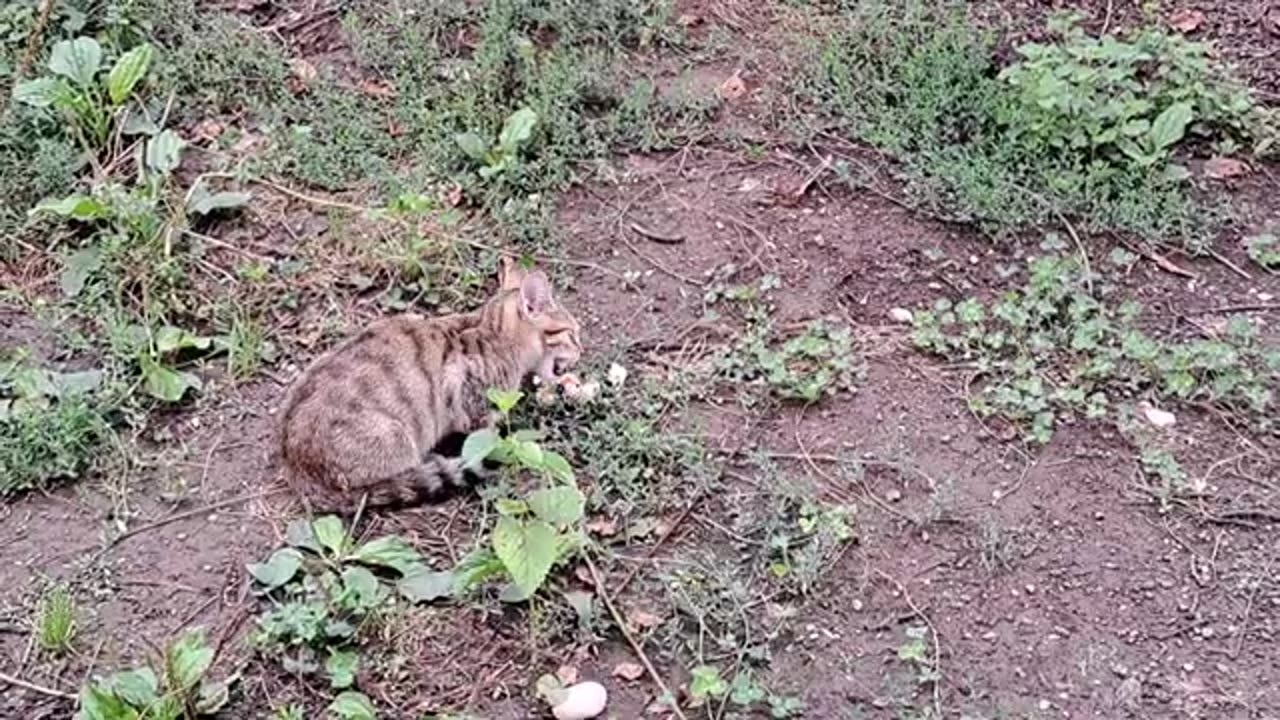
x=617 y=375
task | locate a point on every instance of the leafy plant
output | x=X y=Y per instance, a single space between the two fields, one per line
x=176 y=688
x=534 y=532
x=914 y=651
x=804 y=535
x=816 y=363
x=50 y=424
x=495 y=159
x=1053 y=348
x=76 y=89
x=1076 y=125
x=1264 y=250
x=56 y=621
x=744 y=692
x=323 y=590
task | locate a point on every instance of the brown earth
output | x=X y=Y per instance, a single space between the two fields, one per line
x=1054 y=583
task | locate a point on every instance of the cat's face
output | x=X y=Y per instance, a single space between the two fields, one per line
x=547 y=333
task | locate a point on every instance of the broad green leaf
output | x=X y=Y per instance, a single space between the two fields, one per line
x=331 y=534
x=77 y=60
x=213 y=696
x=351 y=705
x=165 y=383
x=187 y=660
x=476 y=567
x=76 y=269
x=527 y=550
x=555 y=465
x=472 y=145
x=39 y=93
x=203 y=202
x=300 y=535
x=164 y=152
x=424 y=584
x=278 y=570
x=76 y=207
x=511 y=508
x=138 y=687
x=128 y=70
x=706 y=682
x=529 y=454
x=390 y=551
x=558 y=505
x=75 y=383
x=360 y=588
x=744 y=690
x=99 y=703
x=504 y=400
x=477 y=447
x=139 y=123
x=1170 y=125
x=171 y=339
x=517 y=129
x=341 y=667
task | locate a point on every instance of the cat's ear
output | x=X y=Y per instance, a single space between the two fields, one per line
x=535 y=294
x=510 y=274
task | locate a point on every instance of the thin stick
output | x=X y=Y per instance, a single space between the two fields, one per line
x=635 y=646
x=19 y=682
x=1254 y=307
x=664 y=239
x=183 y=516
x=324 y=202
x=671 y=531
x=933 y=632
x=1084 y=256
x=1230 y=265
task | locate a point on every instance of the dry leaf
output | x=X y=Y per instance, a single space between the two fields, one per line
x=568 y=674
x=1272 y=22
x=604 y=527
x=1186 y=20
x=373 y=88
x=901 y=315
x=393 y=128
x=453 y=198
x=628 y=671
x=584 y=574
x=732 y=88
x=303 y=70
x=208 y=129
x=1219 y=168
x=1156 y=416
x=689 y=20
x=642 y=619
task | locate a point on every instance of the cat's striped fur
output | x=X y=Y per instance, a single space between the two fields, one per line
x=366 y=416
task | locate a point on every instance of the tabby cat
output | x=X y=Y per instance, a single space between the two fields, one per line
x=367 y=416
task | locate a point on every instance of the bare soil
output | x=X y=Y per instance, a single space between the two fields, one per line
x=1056 y=587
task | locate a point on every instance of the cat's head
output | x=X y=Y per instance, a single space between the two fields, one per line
x=546 y=333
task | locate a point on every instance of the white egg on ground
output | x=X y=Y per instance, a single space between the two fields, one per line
x=581 y=702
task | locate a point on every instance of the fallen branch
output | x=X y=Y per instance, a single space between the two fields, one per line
x=656 y=236
x=635 y=646
x=19 y=682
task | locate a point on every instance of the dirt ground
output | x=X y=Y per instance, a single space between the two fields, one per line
x=1052 y=585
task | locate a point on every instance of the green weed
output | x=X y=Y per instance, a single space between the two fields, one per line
x=50 y=425
x=1054 y=348
x=817 y=362
x=1264 y=250
x=176 y=687
x=56 y=621
x=1079 y=126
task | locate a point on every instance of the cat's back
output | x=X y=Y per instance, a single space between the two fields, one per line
x=388 y=368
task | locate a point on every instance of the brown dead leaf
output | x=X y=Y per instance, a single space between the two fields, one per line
x=393 y=128
x=207 y=129
x=689 y=20
x=642 y=619
x=732 y=88
x=1219 y=168
x=303 y=70
x=453 y=199
x=604 y=527
x=1186 y=20
x=373 y=88
x=584 y=574
x=628 y=671
x=567 y=674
